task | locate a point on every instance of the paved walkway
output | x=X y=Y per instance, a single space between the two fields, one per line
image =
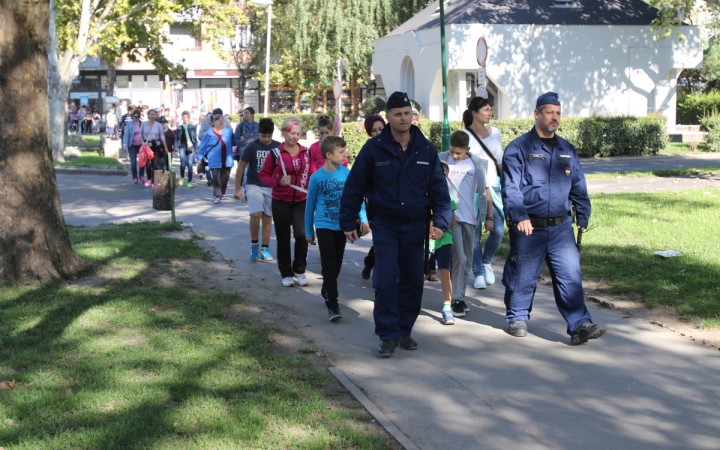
x=470 y=385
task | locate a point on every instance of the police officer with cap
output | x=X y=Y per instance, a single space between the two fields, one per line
x=399 y=173
x=542 y=180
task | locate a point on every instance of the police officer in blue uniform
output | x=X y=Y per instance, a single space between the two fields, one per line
x=541 y=181
x=399 y=173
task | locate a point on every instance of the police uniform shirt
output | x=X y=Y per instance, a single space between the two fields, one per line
x=543 y=180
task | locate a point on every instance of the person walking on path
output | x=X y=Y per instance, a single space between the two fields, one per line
x=443 y=253
x=466 y=180
x=321 y=212
x=287 y=170
x=246 y=131
x=542 y=181
x=400 y=175
x=373 y=126
x=259 y=196
x=216 y=149
x=169 y=139
x=186 y=143
x=131 y=141
x=325 y=128
x=486 y=143
x=154 y=136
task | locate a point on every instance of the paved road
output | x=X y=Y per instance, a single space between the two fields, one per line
x=470 y=385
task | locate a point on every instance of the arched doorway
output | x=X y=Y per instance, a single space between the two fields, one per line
x=407 y=77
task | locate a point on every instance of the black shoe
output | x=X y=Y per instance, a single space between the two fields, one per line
x=464 y=305
x=334 y=313
x=519 y=328
x=366 y=272
x=209 y=183
x=407 y=343
x=457 y=308
x=387 y=348
x=586 y=332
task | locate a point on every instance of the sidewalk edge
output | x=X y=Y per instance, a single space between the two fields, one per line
x=374 y=410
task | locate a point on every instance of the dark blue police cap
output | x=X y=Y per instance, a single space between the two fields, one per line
x=548 y=98
x=397 y=100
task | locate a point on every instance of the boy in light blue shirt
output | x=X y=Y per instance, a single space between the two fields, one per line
x=322 y=210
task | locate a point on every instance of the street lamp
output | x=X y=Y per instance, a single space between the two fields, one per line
x=269 y=4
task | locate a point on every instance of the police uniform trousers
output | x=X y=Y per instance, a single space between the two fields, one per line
x=556 y=246
x=398 y=276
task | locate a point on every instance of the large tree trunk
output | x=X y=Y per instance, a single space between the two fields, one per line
x=34 y=243
x=242 y=79
x=111 y=79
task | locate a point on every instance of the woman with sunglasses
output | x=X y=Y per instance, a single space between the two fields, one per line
x=131 y=141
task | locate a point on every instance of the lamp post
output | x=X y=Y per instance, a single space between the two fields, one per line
x=269 y=4
x=446 y=123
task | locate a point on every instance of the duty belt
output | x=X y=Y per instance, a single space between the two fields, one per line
x=538 y=222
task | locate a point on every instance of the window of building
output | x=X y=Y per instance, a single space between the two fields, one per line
x=121 y=81
x=193 y=83
x=138 y=81
x=182 y=35
x=89 y=83
x=153 y=81
x=215 y=85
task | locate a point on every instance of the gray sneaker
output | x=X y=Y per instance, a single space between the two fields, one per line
x=519 y=328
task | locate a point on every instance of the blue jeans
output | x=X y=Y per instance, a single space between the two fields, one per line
x=186 y=160
x=492 y=243
x=133 y=151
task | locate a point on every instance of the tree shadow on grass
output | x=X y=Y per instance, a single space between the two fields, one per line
x=130 y=364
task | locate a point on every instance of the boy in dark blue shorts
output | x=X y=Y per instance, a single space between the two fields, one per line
x=443 y=258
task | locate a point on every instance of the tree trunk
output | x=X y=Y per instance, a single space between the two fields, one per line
x=111 y=79
x=242 y=79
x=34 y=243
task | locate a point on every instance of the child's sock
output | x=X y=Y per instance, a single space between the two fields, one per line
x=255 y=242
x=266 y=245
x=446 y=306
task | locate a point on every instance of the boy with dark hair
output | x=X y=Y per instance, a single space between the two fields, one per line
x=259 y=196
x=465 y=179
x=322 y=210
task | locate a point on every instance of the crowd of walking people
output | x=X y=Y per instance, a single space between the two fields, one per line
x=434 y=216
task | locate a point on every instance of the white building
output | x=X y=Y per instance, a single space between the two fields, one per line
x=599 y=56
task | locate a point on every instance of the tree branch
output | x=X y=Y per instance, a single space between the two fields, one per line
x=102 y=27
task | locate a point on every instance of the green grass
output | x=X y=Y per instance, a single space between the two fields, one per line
x=626 y=229
x=137 y=362
x=90 y=159
x=682 y=148
x=73 y=139
x=680 y=172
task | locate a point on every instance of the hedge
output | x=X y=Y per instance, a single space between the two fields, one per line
x=591 y=136
x=711 y=124
x=692 y=108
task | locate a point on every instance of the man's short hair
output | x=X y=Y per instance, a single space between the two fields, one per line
x=185 y=113
x=460 y=139
x=266 y=126
x=330 y=143
x=217 y=111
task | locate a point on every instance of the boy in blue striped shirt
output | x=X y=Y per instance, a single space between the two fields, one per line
x=322 y=210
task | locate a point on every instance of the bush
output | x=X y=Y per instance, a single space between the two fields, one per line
x=711 y=124
x=591 y=136
x=373 y=105
x=693 y=107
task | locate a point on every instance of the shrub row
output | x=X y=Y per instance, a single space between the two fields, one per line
x=591 y=136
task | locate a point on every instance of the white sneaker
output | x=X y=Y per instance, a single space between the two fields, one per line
x=288 y=282
x=489 y=275
x=479 y=282
x=302 y=279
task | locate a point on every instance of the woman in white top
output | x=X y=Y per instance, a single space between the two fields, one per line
x=153 y=135
x=486 y=143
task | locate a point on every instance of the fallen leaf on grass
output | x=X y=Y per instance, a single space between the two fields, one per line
x=141 y=283
x=654 y=221
x=633 y=272
x=5 y=385
x=117 y=250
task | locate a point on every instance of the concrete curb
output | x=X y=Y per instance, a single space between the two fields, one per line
x=89 y=171
x=374 y=410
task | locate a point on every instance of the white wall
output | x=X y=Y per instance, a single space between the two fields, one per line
x=596 y=70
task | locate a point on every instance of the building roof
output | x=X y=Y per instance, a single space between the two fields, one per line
x=538 y=12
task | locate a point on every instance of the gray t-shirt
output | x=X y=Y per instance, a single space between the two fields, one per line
x=254 y=154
